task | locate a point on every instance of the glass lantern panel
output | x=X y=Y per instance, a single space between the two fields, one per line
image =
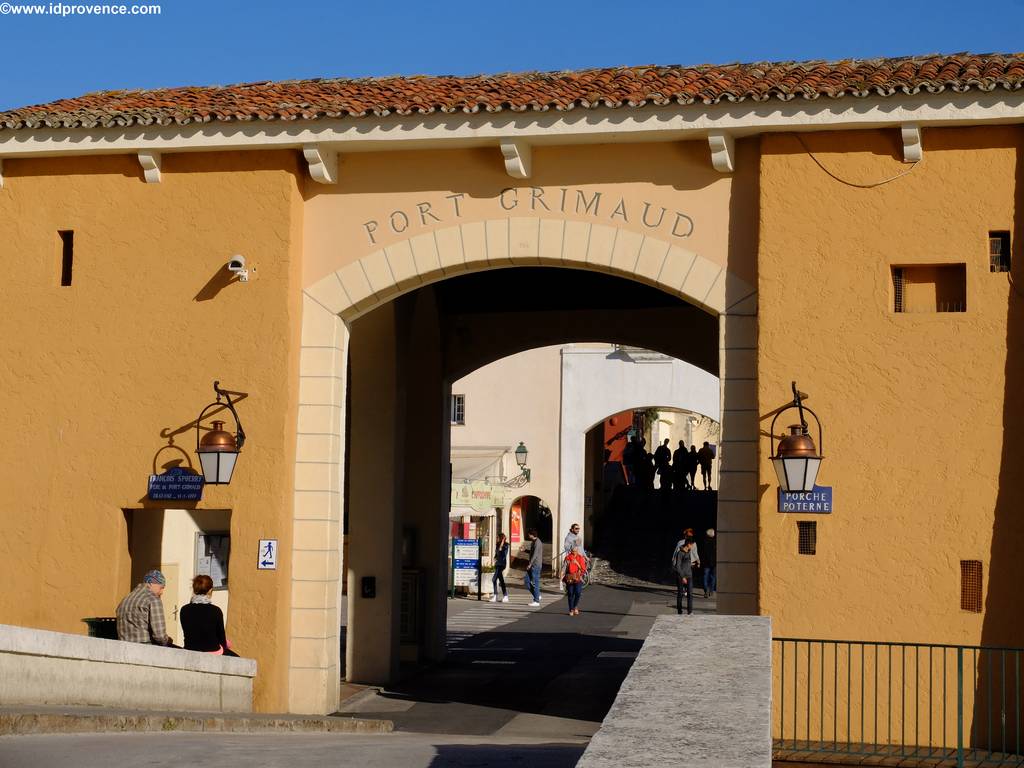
x=813 y=465
x=227 y=466
x=780 y=473
x=209 y=461
x=796 y=473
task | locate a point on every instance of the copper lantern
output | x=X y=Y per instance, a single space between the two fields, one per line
x=218 y=449
x=796 y=459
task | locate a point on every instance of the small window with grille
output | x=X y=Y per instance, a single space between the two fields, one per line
x=458 y=409
x=970 y=585
x=807 y=542
x=929 y=288
x=999 y=251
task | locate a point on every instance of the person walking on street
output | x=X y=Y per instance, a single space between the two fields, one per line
x=683 y=569
x=500 y=563
x=704 y=457
x=140 y=616
x=575 y=570
x=532 y=579
x=572 y=539
x=709 y=561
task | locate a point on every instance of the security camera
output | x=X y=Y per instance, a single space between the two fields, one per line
x=237 y=265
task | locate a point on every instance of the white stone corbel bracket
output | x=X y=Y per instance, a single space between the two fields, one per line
x=913 y=152
x=150 y=162
x=518 y=159
x=723 y=152
x=323 y=163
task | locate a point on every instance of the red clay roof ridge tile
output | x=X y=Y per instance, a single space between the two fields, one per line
x=633 y=87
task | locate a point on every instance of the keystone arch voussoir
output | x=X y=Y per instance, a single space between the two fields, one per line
x=368 y=282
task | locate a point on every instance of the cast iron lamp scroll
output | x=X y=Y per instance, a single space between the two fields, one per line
x=218 y=449
x=796 y=460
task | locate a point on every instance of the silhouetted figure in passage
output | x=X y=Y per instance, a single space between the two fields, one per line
x=644 y=466
x=662 y=459
x=704 y=457
x=691 y=466
x=629 y=460
x=679 y=465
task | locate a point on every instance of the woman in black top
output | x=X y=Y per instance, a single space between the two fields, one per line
x=500 y=563
x=202 y=621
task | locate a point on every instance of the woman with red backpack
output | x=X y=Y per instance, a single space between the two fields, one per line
x=575 y=565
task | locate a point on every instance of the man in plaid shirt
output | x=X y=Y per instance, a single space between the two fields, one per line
x=140 y=616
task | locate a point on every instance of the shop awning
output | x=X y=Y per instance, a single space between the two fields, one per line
x=462 y=511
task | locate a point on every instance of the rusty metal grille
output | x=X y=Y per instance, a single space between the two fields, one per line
x=970 y=585
x=807 y=541
x=897 y=289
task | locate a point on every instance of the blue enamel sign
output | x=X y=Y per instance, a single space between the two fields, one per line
x=176 y=484
x=818 y=501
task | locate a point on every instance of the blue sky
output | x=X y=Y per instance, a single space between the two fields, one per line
x=201 y=42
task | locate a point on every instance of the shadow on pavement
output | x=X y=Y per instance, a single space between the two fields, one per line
x=555 y=674
x=535 y=756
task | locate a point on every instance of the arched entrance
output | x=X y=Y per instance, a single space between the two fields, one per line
x=347 y=313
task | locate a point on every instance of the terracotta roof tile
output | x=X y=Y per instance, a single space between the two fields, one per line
x=633 y=87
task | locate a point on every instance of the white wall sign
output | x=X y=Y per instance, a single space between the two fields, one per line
x=266 y=559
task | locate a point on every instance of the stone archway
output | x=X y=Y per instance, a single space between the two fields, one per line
x=362 y=285
x=612 y=387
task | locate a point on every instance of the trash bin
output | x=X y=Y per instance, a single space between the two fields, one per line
x=102 y=626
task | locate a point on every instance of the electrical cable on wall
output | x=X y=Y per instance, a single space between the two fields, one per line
x=852 y=183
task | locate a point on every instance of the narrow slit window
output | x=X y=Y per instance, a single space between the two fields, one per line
x=807 y=541
x=970 y=585
x=67 y=256
x=999 y=251
x=929 y=288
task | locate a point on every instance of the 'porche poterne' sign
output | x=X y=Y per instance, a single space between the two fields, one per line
x=818 y=501
x=578 y=203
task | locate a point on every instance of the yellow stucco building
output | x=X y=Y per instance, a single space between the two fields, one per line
x=851 y=226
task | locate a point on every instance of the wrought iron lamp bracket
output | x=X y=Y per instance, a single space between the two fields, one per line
x=229 y=404
x=801 y=408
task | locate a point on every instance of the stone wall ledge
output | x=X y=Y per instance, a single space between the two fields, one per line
x=699 y=694
x=40 y=642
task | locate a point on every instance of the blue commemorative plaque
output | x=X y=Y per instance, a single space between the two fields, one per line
x=176 y=484
x=816 y=502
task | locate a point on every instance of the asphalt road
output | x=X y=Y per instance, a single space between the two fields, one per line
x=544 y=674
x=289 y=750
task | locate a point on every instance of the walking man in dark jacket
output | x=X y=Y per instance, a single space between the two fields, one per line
x=532 y=579
x=683 y=569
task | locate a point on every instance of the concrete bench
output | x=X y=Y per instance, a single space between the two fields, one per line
x=699 y=694
x=38 y=667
